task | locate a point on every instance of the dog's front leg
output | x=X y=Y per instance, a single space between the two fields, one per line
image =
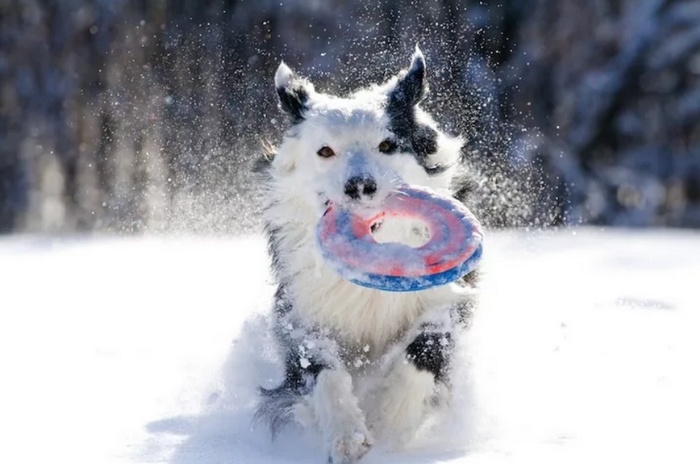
x=416 y=375
x=338 y=416
x=328 y=402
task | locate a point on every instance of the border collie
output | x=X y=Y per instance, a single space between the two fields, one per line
x=361 y=365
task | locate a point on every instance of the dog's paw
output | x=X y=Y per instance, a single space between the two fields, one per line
x=349 y=448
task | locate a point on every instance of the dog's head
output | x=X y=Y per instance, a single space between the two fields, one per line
x=355 y=150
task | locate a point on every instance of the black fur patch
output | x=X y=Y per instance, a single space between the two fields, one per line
x=276 y=404
x=297 y=376
x=411 y=87
x=273 y=245
x=275 y=407
x=429 y=351
x=282 y=304
x=293 y=100
x=414 y=137
x=424 y=140
x=436 y=169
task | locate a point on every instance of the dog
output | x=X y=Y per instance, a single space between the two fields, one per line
x=361 y=365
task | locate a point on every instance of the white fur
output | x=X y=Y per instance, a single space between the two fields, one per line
x=362 y=319
x=397 y=410
x=283 y=76
x=336 y=412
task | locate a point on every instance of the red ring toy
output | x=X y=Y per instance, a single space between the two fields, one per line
x=454 y=249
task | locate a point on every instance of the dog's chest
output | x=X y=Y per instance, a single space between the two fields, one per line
x=362 y=317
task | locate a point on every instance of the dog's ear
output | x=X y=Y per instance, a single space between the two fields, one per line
x=293 y=92
x=411 y=85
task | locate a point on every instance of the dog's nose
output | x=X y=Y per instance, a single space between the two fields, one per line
x=357 y=186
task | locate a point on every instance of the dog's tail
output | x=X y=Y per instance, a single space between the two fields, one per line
x=276 y=407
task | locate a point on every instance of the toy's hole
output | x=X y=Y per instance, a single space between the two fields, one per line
x=406 y=230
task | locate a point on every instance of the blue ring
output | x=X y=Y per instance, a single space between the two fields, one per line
x=413 y=284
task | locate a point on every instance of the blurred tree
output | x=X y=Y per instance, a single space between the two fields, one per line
x=136 y=115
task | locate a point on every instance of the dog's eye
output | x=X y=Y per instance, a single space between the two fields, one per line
x=326 y=152
x=387 y=146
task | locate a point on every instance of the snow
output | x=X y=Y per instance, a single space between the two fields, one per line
x=149 y=350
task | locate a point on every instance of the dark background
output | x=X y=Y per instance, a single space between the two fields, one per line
x=134 y=116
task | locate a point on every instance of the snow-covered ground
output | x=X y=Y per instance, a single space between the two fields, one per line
x=586 y=348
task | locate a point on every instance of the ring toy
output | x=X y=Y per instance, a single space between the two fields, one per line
x=454 y=249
